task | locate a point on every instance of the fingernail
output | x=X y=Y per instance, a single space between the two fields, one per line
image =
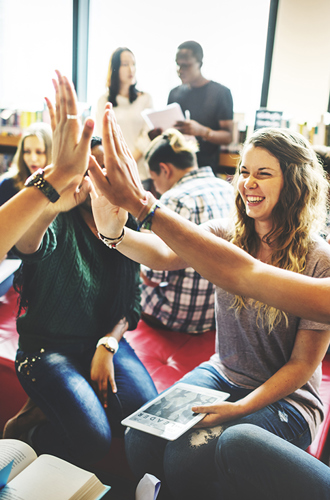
x=89 y=123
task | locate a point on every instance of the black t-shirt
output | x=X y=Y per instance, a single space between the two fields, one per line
x=208 y=105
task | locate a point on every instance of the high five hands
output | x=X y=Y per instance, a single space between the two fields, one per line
x=121 y=185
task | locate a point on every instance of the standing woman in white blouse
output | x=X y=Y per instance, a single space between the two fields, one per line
x=127 y=102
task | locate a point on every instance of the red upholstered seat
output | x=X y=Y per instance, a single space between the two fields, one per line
x=317 y=448
x=166 y=355
x=169 y=355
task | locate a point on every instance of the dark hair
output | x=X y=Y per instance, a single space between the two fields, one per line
x=171 y=147
x=195 y=48
x=96 y=141
x=113 y=78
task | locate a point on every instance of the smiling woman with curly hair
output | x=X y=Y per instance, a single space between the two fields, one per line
x=268 y=360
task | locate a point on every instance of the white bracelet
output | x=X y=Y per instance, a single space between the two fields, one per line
x=112 y=242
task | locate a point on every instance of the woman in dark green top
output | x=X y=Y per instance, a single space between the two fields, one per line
x=75 y=290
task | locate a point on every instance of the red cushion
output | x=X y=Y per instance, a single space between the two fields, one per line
x=317 y=447
x=166 y=355
x=169 y=355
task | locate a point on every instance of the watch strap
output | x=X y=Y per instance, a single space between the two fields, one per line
x=110 y=343
x=37 y=180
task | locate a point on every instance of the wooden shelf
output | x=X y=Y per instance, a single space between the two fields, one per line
x=9 y=140
x=228 y=160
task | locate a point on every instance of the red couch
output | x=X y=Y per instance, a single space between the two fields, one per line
x=166 y=355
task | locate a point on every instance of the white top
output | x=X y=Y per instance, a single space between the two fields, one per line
x=133 y=126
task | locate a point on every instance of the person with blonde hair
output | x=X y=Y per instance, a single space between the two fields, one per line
x=127 y=102
x=34 y=151
x=182 y=300
x=268 y=360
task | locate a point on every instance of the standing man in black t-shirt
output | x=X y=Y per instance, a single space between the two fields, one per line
x=207 y=105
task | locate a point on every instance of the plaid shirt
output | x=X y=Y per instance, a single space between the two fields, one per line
x=183 y=300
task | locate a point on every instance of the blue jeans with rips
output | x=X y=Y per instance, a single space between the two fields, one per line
x=186 y=466
x=79 y=428
x=253 y=464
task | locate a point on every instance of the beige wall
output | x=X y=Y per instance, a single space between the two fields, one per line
x=300 y=77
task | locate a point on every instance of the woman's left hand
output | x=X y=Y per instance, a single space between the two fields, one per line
x=109 y=219
x=102 y=374
x=217 y=414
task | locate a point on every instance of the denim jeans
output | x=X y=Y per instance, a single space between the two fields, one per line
x=79 y=428
x=187 y=465
x=256 y=465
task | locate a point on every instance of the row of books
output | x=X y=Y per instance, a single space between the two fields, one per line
x=13 y=121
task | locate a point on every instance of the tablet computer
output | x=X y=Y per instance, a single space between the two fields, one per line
x=169 y=415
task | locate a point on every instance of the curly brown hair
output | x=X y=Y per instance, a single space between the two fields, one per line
x=299 y=214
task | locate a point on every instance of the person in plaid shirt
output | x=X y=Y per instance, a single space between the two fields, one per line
x=182 y=300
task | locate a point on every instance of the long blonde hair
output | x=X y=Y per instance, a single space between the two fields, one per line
x=299 y=213
x=19 y=170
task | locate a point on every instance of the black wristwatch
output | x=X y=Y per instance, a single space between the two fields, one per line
x=37 y=180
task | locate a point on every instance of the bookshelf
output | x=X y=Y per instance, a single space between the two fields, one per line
x=9 y=141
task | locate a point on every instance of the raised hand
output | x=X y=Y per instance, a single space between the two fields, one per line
x=71 y=141
x=121 y=185
x=109 y=219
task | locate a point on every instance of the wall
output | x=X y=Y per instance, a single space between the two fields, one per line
x=300 y=77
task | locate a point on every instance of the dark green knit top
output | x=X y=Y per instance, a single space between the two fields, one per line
x=77 y=288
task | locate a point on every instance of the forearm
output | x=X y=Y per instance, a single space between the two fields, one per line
x=149 y=250
x=229 y=267
x=284 y=382
x=118 y=330
x=30 y=241
x=216 y=136
x=17 y=215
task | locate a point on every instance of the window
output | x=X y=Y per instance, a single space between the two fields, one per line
x=35 y=39
x=232 y=33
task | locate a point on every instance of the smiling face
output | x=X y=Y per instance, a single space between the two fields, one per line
x=34 y=153
x=260 y=184
x=127 y=68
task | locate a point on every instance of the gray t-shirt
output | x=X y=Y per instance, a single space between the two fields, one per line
x=248 y=355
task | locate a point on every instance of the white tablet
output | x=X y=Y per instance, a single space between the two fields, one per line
x=169 y=415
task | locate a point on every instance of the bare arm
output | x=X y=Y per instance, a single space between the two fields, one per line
x=215 y=259
x=309 y=349
x=70 y=160
x=222 y=136
x=102 y=367
x=144 y=248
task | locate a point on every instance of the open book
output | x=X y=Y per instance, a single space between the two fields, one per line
x=169 y=415
x=24 y=476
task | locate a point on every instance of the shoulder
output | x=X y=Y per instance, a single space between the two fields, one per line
x=6 y=180
x=177 y=92
x=7 y=188
x=318 y=258
x=219 y=89
x=144 y=100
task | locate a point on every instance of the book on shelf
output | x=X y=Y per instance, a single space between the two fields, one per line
x=25 y=476
x=169 y=415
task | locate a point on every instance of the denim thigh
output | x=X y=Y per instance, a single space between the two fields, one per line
x=188 y=464
x=79 y=429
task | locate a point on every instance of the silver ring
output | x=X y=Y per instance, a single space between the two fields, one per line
x=72 y=117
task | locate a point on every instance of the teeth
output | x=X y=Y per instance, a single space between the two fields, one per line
x=254 y=199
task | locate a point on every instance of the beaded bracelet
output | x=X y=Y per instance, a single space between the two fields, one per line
x=147 y=221
x=112 y=242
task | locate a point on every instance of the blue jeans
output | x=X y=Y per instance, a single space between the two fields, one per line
x=253 y=464
x=187 y=465
x=79 y=428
